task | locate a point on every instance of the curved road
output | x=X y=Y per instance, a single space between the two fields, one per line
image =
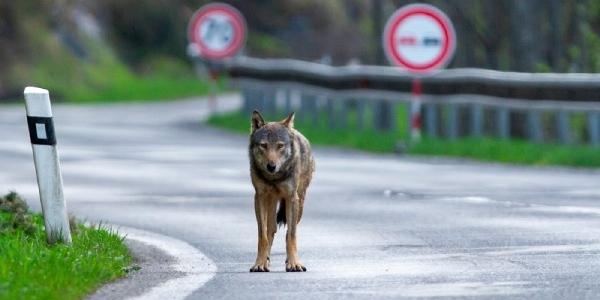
x=374 y=226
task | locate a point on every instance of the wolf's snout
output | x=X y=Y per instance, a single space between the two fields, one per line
x=271 y=167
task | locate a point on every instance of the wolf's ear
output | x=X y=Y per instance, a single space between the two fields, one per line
x=257 y=121
x=289 y=121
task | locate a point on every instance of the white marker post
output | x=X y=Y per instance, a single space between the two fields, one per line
x=47 y=167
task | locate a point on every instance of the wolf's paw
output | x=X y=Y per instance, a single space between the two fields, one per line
x=294 y=267
x=260 y=267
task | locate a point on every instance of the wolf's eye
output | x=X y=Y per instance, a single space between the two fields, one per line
x=280 y=146
x=263 y=145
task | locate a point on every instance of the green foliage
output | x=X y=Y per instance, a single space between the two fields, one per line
x=106 y=79
x=30 y=269
x=267 y=46
x=486 y=149
x=99 y=74
x=15 y=217
x=142 y=28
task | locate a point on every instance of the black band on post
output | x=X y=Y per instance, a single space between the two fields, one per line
x=47 y=137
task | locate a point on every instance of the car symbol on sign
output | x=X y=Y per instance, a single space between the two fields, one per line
x=412 y=41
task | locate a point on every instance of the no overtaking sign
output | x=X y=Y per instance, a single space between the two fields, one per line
x=419 y=38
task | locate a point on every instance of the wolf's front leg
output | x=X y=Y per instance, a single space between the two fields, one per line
x=262 y=257
x=292 y=207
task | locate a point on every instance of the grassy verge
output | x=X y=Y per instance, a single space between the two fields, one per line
x=144 y=88
x=486 y=149
x=111 y=81
x=98 y=74
x=30 y=269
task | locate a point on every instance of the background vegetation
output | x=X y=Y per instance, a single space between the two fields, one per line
x=91 y=50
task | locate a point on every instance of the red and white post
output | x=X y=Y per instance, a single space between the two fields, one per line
x=415 y=110
x=212 y=97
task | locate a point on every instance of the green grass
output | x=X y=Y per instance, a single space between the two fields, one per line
x=510 y=151
x=100 y=76
x=31 y=269
x=485 y=149
x=143 y=88
x=108 y=80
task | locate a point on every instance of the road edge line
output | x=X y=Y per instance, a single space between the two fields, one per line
x=196 y=266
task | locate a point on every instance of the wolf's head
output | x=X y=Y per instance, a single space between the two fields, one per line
x=271 y=145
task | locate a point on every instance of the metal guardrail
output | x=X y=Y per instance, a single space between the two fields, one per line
x=456 y=102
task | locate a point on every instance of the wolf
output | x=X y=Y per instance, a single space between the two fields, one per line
x=281 y=168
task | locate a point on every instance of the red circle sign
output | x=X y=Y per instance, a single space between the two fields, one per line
x=419 y=38
x=217 y=31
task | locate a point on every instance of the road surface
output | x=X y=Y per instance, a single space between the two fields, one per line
x=374 y=226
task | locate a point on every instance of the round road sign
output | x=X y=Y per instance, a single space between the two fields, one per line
x=217 y=31
x=419 y=38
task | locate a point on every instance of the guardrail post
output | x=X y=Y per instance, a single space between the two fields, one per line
x=259 y=100
x=393 y=117
x=431 y=119
x=476 y=120
x=330 y=111
x=314 y=110
x=534 y=123
x=452 y=121
x=593 y=126
x=383 y=115
x=342 y=116
x=248 y=106
x=360 y=115
x=256 y=99
x=503 y=122
x=270 y=97
x=303 y=115
x=288 y=101
x=308 y=107
x=279 y=100
x=47 y=166
x=564 y=127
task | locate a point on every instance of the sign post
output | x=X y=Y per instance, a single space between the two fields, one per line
x=420 y=39
x=47 y=167
x=216 y=31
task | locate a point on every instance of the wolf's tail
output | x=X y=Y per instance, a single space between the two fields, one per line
x=281 y=213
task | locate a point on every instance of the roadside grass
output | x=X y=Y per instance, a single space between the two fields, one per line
x=31 y=269
x=97 y=74
x=484 y=149
x=510 y=151
x=109 y=81
x=135 y=88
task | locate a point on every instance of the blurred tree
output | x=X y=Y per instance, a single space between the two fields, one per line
x=555 y=10
x=144 y=28
x=525 y=33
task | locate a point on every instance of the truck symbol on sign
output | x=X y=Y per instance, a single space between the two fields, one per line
x=218 y=30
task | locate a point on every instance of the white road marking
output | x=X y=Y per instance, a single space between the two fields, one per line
x=584 y=192
x=565 y=209
x=198 y=268
x=466 y=289
x=469 y=199
x=546 y=249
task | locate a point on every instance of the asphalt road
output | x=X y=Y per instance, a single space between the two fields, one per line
x=374 y=226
